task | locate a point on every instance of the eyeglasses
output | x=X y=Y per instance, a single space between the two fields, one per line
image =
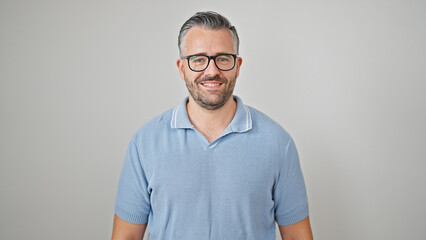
x=200 y=62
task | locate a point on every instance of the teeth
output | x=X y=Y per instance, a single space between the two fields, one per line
x=210 y=85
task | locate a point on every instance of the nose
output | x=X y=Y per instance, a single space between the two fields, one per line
x=212 y=69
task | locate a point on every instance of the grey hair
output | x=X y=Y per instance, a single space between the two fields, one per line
x=208 y=20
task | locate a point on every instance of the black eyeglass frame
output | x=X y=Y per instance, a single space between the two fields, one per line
x=214 y=60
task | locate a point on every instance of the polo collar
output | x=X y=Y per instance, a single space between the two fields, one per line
x=241 y=122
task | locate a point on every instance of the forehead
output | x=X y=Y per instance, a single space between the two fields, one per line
x=208 y=41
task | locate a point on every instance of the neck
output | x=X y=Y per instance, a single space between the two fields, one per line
x=211 y=122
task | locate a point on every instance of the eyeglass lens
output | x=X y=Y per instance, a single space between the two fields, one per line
x=200 y=62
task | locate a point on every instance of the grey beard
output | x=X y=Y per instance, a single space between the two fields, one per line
x=203 y=101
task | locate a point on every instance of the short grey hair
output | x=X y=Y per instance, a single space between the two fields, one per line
x=208 y=20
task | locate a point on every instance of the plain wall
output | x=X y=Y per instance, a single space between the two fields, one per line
x=345 y=78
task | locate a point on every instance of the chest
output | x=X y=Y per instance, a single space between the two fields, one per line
x=231 y=170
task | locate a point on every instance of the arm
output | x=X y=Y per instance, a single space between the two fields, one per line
x=298 y=231
x=123 y=230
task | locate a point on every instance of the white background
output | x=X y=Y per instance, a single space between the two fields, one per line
x=345 y=78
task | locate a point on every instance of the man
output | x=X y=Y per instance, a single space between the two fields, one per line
x=212 y=167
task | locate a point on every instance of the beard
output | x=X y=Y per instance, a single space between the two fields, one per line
x=210 y=99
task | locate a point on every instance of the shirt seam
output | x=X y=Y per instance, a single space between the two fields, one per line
x=141 y=161
x=282 y=163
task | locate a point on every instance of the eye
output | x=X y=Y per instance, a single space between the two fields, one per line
x=223 y=59
x=198 y=59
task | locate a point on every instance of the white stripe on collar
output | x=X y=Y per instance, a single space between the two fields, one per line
x=248 y=118
x=177 y=109
x=174 y=113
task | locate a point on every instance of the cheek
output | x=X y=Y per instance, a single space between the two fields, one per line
x=193 y=76
x=232 y=77
x=190 y=78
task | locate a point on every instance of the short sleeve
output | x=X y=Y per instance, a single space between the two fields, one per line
x=133 y=198
x=290 y=198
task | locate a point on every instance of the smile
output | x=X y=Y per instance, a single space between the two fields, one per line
x=211 y=84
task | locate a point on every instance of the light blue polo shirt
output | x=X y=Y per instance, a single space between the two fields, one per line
x=233 y=188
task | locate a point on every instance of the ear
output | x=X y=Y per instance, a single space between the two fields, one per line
x=238 y=63
x=180 y=64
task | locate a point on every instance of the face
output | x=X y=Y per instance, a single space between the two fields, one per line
x=211 y=88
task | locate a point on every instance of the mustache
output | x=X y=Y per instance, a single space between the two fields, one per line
x=215 y=78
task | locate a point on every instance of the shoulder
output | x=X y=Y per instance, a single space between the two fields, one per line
x=267 y=127
x=154 y=126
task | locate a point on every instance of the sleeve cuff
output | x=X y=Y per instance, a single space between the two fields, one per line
x=131 y=218
x=292 y=219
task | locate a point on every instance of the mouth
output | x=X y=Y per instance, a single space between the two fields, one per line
x=211 y=84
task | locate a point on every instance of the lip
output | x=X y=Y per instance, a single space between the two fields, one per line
x=211 y=84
